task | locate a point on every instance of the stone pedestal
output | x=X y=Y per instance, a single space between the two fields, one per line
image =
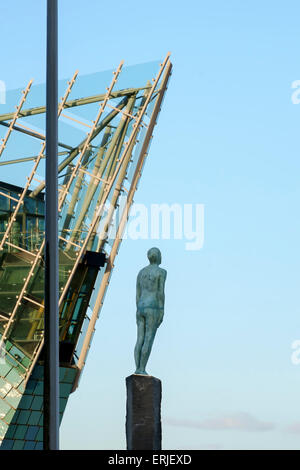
x=143 y=419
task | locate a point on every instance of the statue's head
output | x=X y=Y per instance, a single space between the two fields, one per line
x=154 y=256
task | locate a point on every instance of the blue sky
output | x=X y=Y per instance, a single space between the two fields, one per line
x=227 y=138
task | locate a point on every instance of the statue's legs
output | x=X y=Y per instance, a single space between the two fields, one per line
x=150 y=331
x=140 y=319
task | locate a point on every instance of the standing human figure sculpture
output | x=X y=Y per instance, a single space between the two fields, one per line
x=150 y=300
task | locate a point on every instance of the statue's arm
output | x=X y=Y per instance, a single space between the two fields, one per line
x=138 y=289
x=161 y=295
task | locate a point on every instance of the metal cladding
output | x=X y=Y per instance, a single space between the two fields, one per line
x=103 y=142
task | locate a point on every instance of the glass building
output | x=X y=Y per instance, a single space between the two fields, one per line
x=106 y=123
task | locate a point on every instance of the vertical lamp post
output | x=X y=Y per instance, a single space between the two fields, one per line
x=51 y=341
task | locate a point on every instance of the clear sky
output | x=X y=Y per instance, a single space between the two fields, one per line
x=228 y=138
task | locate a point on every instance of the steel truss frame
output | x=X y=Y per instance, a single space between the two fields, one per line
x=110 y=169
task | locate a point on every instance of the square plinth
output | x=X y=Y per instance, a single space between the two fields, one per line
x=143 y=416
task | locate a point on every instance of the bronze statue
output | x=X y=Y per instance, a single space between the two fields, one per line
x=150 y=300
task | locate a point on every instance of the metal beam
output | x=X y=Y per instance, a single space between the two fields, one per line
x=28 y=159
x=72 y=103
x=16 y=115
x=34 y=134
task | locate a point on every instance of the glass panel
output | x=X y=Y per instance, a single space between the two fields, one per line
x=91 y=186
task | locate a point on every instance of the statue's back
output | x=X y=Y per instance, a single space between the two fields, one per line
x=148 y=284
